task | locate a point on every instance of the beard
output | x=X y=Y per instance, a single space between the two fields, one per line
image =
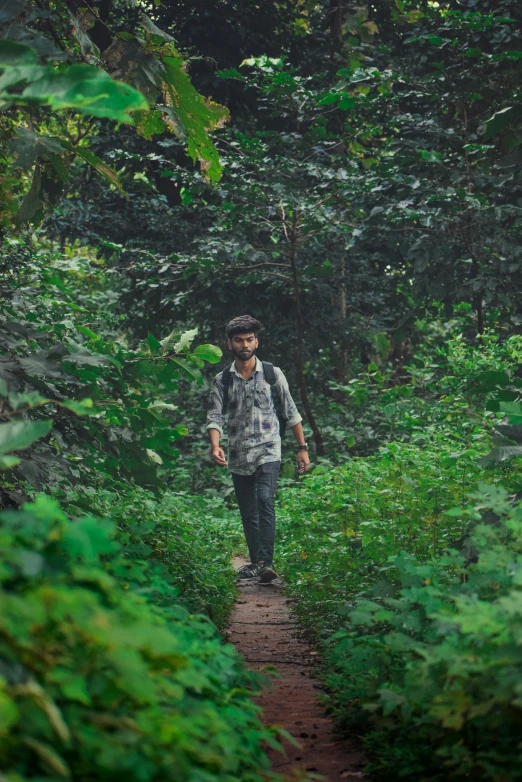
x=244 y=354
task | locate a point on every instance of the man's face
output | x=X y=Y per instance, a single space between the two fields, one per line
x=243 y=346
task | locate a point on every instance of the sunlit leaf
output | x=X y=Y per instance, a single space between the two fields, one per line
x=210 y=353
x=87 y=89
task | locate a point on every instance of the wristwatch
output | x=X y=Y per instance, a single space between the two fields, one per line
x=302 y=447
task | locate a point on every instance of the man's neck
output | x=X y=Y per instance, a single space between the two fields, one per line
x=246 y=368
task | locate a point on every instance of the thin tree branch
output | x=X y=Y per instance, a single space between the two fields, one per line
x=263 y=263
x=283 y=222
x=218 y=140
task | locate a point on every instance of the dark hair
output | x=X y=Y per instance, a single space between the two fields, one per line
x=244 y=324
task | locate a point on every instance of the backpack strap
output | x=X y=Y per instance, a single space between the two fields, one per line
x=270 y=376
x=225 y=380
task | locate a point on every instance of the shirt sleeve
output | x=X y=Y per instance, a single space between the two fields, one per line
x=215 y=405
x=290 y=411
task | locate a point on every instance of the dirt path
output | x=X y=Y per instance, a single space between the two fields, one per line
x=263 y=631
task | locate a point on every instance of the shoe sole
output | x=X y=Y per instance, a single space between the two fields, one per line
x=267 y=576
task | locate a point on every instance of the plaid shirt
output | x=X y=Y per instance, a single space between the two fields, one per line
x=253 y=427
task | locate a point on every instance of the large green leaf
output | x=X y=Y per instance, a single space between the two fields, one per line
x=194 y=117
x=22 y=74
x=81 y=407
x=14 y=54
x=86 y=89
x=149 y=123
x=17 y=435
x=513 y=410
x=211 y=353
x=31 y=209
x=86 y=357
x=38 y=365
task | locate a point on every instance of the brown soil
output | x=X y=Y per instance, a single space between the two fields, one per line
x=264 y=633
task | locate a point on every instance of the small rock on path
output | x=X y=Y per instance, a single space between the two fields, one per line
x=263 y=631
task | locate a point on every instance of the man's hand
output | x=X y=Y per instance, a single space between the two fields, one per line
x=218 y=454
x=303 y=462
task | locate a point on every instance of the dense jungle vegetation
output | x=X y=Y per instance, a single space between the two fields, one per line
x=348 y=172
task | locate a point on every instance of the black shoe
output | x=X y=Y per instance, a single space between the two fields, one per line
x=266 y=574
x=249 y=571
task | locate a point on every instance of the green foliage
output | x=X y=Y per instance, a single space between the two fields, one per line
x=368 y=214
x=413 y=594
x=110 y=660
x=98 y=680
x=437 y=647
x=194 y=117
x=341 y=524
x=171 y=532
x=151 y=90
x=60 y=352
x=81 y=87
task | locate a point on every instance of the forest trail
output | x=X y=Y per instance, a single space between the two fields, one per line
x=263 y=631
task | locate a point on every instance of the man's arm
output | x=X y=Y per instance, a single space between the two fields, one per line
x=215 y=422
x=216 y=451
x=294 y=421
x=303 y=459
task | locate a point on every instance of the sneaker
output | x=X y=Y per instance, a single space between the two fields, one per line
x=266 y=574
x=249 y=571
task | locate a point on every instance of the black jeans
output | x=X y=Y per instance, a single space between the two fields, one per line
x=255 y=497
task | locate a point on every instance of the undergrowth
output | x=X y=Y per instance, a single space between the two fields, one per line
x=105 y=668
x=408 y=577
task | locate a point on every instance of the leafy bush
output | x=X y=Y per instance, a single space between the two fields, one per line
x=417 y=608
x=110 y=661
x=188 y=539
x=443 y=391
x=438 y=646
x=339 y=526
x=66 y=351
x=100 y=681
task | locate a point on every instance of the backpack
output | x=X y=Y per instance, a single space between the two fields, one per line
x=268 y=369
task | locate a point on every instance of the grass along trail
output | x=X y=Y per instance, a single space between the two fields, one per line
x=263 y=631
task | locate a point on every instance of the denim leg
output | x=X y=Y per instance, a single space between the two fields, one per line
x=245 y=489
x=266 y=481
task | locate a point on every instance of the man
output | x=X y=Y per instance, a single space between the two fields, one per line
x=254 y=440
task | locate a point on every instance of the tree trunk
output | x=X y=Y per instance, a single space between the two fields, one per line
x=477 y=300
x=319 y=445
x=336 y=12
x=343 y=362
x=478 y=303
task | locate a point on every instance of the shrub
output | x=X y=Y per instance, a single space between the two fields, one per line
x=340 y=525
x=438 y=647
x=100 y=682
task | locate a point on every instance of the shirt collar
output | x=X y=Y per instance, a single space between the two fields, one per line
x=259 y=367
